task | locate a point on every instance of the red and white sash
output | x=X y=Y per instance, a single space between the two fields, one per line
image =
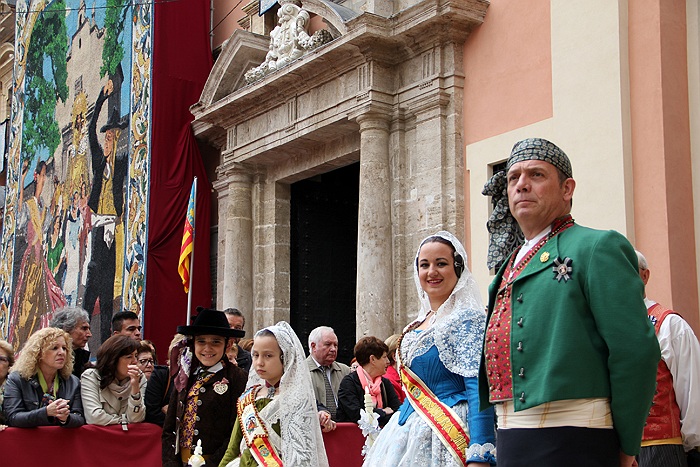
x=444 y=421
x=255 y=431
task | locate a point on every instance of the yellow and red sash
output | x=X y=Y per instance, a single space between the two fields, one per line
x=446 y=424
x=255 y=431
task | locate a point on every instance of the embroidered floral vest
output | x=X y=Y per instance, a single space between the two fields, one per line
x=497 y=346
x=664 y=421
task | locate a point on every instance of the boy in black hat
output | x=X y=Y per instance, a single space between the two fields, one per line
x=207 y=386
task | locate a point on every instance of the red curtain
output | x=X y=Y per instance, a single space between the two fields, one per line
x=181 y=64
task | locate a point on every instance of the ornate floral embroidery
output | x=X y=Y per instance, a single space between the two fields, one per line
x=481 y=453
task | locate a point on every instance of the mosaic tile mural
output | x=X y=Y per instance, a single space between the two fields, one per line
x=75 y=221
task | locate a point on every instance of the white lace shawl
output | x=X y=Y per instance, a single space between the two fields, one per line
x=295 y=405
x=459 y=324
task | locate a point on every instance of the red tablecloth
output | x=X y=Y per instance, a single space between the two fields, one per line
x=107 y=446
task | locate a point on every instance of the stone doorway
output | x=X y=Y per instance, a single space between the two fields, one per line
x=323 y=255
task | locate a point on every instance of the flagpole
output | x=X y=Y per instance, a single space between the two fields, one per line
x=194 y=231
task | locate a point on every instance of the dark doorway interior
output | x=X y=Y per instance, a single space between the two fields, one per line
x=324 y=255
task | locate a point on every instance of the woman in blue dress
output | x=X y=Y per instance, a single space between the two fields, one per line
x=439 y=423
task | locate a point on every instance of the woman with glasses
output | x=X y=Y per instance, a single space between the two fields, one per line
x=41 y=390
x=114 y=390
x=146 y=359
x=7 y=359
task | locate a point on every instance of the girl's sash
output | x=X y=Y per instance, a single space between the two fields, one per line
x=255 y=431
x=444 y=422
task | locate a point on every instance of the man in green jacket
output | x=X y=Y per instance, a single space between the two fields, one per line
x=569 y=356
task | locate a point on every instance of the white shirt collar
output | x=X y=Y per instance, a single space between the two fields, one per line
x=527 y=246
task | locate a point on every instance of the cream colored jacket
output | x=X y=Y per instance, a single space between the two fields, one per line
x=103 y=407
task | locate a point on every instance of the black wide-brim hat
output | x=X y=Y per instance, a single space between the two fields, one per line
x=209 y=321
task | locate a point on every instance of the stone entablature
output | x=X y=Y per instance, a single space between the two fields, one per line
x=387 y=92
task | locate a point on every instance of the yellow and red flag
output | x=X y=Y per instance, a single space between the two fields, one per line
x=187 y=247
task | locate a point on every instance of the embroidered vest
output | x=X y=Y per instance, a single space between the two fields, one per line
x=497 y=345
x=189 y=420
x=664 y=421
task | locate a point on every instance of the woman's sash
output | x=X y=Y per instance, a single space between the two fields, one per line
x=444 y=422
x=255 y=431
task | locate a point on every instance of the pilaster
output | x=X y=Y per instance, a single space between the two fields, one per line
x=235 y=257
x=374 y=243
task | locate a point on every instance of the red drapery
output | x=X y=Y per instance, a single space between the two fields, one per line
x=109 y=446
x=181 y=64
x=87 y=445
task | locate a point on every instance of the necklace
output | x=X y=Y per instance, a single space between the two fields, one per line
x=271 y=389
x=558 y=226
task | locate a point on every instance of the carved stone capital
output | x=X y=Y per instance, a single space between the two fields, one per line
x=231 y=174
x=373 y=115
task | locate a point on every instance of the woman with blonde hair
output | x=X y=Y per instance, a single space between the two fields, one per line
x=41 y=390
x=392 y=371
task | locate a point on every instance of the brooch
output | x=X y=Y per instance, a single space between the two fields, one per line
x=221 y=387
x=544 y=257
x=562 y=269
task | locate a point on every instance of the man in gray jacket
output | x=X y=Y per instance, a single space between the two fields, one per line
x=326 y=373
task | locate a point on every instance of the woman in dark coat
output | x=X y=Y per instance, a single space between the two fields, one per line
x=371 y=354
x=41 y=390
x=206 y=388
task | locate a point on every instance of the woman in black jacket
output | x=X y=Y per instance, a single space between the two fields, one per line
x=41 y=390
x=371 y=355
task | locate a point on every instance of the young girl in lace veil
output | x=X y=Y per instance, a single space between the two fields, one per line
x=277 y=416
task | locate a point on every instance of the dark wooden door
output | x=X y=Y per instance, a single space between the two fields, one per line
x=324 y=255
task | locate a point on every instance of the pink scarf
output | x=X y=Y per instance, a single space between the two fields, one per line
x=375 y=387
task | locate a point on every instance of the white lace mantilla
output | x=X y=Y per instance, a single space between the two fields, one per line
x=295 y=406
x=459 y=324
x=458 y=339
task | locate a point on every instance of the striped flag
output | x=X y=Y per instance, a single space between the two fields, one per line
x=187 y=247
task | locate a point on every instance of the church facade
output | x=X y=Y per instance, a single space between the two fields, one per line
x=405 y=108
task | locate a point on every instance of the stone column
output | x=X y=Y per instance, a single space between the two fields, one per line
x=375 y=270
x=236 y=229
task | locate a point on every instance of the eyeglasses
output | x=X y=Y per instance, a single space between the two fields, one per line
x=147 y=361
x=4 y=359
